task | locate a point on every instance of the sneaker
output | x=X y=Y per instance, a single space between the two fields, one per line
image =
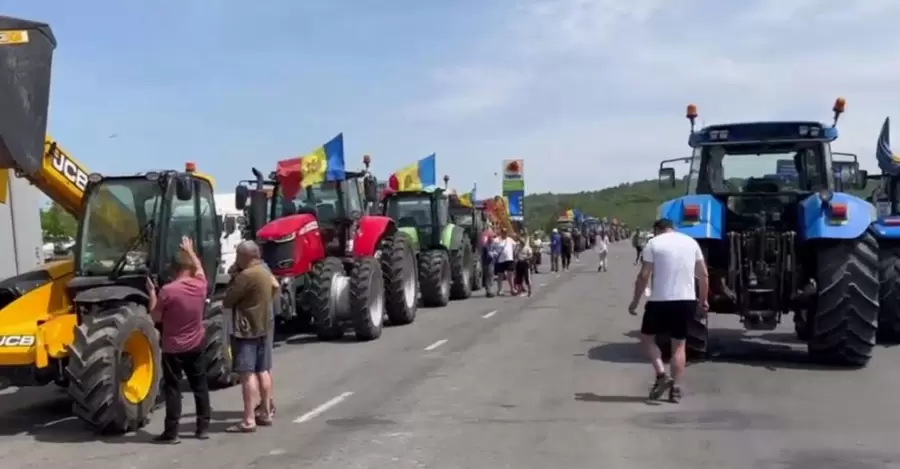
x=201 y=434
x=675 y=394
x=662 y=384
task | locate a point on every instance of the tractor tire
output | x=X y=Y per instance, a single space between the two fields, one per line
x=115 y=368
x=367 y=298
x=217 y=350
x=889 y=293
x=434 y=277
x=696 y=346
x=845 y=320
x=401 y=281
x=461 y=266
x=318 y=298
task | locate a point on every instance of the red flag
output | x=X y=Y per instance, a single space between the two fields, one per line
x=289 y=174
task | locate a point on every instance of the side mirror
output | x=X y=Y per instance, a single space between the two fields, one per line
x=241 y=194
x=370 y=187
x=666 y=177
x=230 y=225
x=184 y=187
x=862 y=179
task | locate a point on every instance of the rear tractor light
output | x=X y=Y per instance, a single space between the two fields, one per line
x=691 y=213
x=838 y=212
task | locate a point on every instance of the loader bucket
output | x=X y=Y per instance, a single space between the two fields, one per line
x=26 y=53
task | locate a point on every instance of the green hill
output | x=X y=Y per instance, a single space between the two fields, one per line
x=634 y=203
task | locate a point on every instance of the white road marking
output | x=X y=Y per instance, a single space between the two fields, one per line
x=323 y=408
x=435 y=345
x=542 y=285
x=487 y=315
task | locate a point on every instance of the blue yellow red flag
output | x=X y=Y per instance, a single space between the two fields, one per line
x=325 y=163
x=416 y=176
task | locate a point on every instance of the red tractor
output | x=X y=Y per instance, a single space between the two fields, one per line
x=347 y=268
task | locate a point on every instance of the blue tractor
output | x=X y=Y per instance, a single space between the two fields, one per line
x=886 y=199
x=785 y=244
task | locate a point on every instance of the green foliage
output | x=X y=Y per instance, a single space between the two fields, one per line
x=57 y=224
x=634 y=203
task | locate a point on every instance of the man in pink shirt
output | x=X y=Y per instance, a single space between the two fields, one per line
x=179 y=309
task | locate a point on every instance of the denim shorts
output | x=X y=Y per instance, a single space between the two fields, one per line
x=251 y=355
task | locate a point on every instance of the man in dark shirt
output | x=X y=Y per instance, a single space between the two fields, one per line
x=250 y=296
x=179 y=309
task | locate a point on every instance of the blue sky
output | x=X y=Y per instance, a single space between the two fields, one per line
x=589 y=92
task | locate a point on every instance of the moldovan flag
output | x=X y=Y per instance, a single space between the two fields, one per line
x=325 y=163
x=468 y=199
x=415 y=177
x=569 y=214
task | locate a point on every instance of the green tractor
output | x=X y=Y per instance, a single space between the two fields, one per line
x=475 y=224
x=445 y=256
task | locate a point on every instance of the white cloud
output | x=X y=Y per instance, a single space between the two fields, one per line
x=604 y=82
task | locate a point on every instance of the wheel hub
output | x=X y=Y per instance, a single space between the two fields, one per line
x=409 y=284
x=340 y=295
x=376 y=301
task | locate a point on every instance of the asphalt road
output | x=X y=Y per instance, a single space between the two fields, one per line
x=552 y=381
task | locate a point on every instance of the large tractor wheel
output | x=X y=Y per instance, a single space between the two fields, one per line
x=401 y=282
x=889 y=293
x=367 y=298
x=114 y=369
x=434 y=277
x=217 y=350
x=844 y=323
x=325 y=280
x=461 y=272
x=696 y=345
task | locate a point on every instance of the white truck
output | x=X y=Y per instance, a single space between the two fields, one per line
x=231 y=220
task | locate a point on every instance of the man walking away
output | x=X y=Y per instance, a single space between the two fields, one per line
x=555 y=250
x=179 y=309
x=602 y=252
x=537 y=246
x=250 y=298
x=672 y=260
x=566 y=249
x=638 y=241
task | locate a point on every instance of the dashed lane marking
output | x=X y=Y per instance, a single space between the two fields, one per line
x=323 y=408
x=489 y=314
x=435 y=345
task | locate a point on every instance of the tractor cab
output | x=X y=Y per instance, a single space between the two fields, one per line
x=426 y=211
x=156 y=210
x=323 y=216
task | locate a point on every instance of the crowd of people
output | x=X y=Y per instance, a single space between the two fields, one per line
x=670 y=261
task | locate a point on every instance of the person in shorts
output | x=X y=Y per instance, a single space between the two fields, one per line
x=506 y=249
x=674 y=263
x=250 y=297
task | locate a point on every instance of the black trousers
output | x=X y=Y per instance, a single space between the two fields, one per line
x=193 y=365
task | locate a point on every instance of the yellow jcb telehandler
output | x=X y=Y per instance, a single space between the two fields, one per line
x=83 y=323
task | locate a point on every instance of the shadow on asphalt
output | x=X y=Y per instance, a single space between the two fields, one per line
x=772 y=351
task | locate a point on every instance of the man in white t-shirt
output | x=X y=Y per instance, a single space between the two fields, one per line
x=602 y=252
x=672 y=261
x=505 y=268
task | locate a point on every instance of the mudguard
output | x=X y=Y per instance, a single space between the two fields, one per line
x=102 y=294
x=712 y=216
x=413 y=235
x=371 y=229
x=815 y=224
x=451 y=237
